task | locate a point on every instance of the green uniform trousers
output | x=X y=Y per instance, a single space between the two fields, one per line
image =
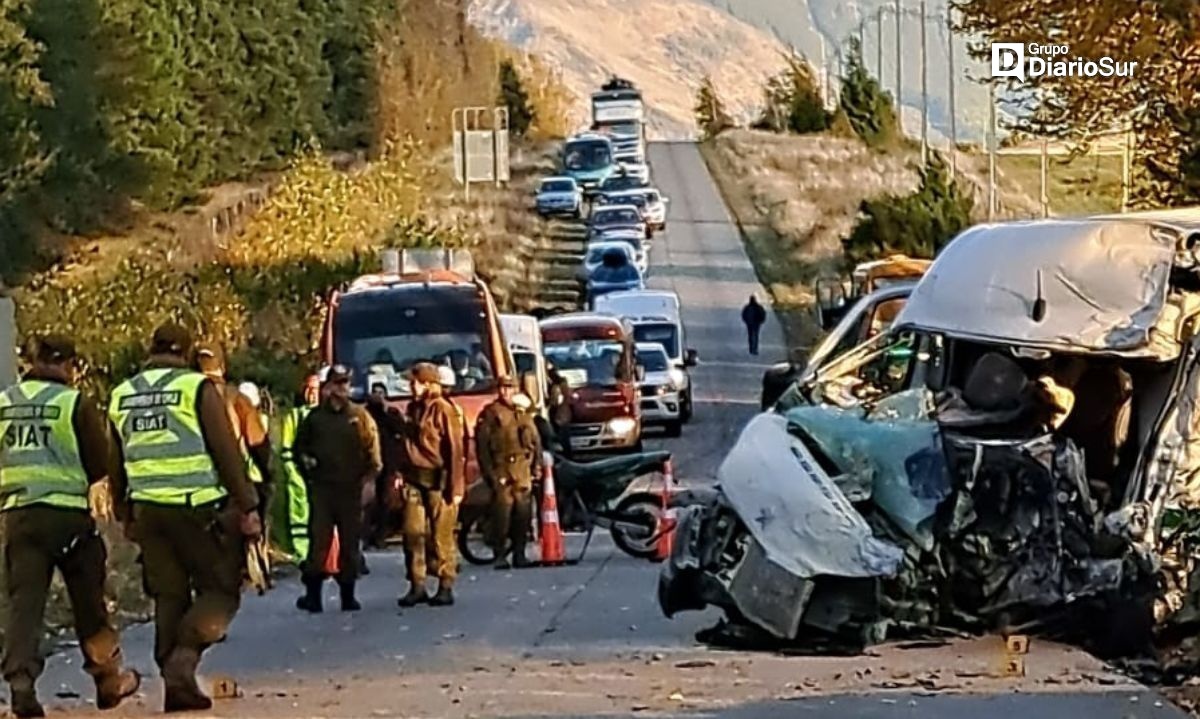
x=512 y=514
x=330 y=506
x=427 y=515
x=37 y=540
x=192 y=567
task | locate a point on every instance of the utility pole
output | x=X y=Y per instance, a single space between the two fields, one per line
x=953 y=102
x=899 y=68
x=862 y=40
x=1045 y=171
x=825 y=94
x=991 y=152
x=879 y=43
x=1127 y=168
x=924 y=87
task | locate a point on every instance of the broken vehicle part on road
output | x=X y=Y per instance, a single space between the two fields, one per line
x=1018 y=452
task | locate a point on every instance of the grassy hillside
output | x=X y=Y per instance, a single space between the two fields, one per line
x=797 y=196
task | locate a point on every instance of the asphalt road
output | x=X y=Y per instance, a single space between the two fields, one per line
x=588 y=639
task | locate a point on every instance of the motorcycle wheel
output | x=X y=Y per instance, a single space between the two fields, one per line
x=472 y=540
x=645 y=511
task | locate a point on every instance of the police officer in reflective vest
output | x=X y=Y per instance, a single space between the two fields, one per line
x=55 y=444
x=182 y=490
x=297 y=492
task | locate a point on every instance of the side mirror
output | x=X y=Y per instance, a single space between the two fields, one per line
x=691 y=358
x=640 y=373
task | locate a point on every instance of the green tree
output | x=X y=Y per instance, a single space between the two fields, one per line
x=866 y=106
x=917 y=225
x=792 y=100
x=1160 y=99
x=711 y=116
x=513 y=96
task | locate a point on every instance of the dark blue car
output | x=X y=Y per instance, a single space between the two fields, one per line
x=615 y=273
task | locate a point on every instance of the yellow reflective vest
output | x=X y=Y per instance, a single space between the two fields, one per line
x=156 y=416
x=39 y=452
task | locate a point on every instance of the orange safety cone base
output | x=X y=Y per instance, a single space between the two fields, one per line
x=665 y=528
x=332 y=565
x=552 y=551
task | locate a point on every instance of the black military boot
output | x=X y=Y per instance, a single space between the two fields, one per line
x=24 y=699
x=416 y=595
x=501 y=560
x=114 y=688
x=179 y=679
x=311 y=601
x=519 y=560
x=349 y=603
x=444 y=596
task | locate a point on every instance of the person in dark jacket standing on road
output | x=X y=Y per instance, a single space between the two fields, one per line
x=55 y=446
x=754 y=316
x=507 y=445
x=434 y=484
x=337 y=451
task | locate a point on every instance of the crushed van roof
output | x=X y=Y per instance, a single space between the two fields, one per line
x=1103 y=282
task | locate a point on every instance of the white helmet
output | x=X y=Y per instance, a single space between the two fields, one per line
x=250 y=390
x=446 y=376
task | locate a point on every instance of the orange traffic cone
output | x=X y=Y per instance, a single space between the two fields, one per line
x=551 y=534
x=332 y=565
x=666 y=523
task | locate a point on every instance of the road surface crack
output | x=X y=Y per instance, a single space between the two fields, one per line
x=552 y=625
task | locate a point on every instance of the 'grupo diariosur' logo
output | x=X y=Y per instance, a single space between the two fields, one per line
x=1022 y=62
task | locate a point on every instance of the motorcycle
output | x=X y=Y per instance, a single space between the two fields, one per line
x=591 y=494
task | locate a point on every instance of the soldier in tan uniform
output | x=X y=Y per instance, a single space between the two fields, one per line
x=507 y=446
x=434 y=484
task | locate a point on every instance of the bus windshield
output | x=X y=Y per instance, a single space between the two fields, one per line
x=381 y=335
x=587 y=155
x=590 y=363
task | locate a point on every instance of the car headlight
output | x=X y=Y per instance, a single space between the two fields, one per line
x=622 y=426
x=678 y=377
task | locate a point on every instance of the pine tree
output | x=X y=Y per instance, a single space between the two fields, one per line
x=792 y=100
x=711 y=116
x=1161 y=99
x=513 y=96
x=867 y=107
x=918 y=224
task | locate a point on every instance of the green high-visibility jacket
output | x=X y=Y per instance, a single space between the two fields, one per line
x=166 y=460
x=39 y=452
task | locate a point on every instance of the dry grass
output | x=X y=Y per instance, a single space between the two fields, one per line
x=1074 y=185
x=797 y=196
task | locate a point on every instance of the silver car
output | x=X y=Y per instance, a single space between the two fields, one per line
x=593 y=257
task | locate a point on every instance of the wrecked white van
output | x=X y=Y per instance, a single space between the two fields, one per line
x=1018 y=452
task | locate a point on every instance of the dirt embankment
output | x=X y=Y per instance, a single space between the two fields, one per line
x=796 y=196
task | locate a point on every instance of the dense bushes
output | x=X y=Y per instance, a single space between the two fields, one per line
x=106 y=102
x=792 y=100
x=711 y=116
x=917 y=225
x=865 y=105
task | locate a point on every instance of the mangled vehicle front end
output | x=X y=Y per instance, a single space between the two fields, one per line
x=1019 y=453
